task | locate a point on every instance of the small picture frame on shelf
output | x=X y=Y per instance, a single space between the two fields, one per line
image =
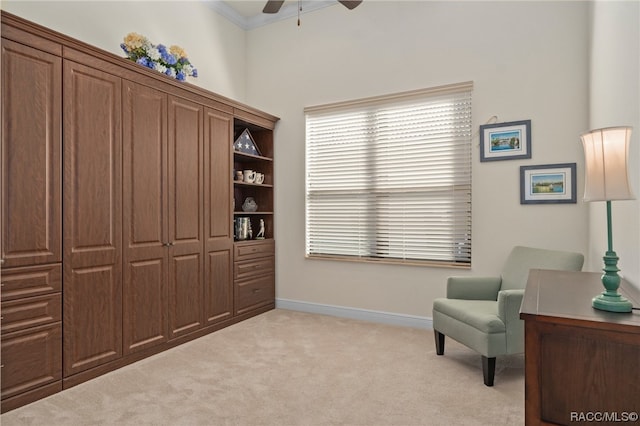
x=245 y=144
x=548 y=184
x=505 y=141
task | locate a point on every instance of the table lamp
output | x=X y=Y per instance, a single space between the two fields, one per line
x=606 y=153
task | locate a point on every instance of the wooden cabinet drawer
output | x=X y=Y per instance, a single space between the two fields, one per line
x=250 y=294
x=31 y=281
x=254 y=249
x=31 y=312
x=31 y=358
x=252 y=268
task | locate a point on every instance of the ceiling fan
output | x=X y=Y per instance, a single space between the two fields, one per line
x=273 y=6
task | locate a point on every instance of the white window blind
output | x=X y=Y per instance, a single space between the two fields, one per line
x=389 y=178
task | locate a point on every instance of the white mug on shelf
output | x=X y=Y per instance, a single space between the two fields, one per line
x=249 y=176
x=259 y=177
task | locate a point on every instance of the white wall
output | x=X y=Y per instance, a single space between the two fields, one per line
x=214 y=45
x=615 y=101
x=528 y=60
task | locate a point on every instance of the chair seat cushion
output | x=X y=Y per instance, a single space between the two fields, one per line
x=480 y=314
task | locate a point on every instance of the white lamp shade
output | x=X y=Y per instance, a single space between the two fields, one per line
x=606 y=153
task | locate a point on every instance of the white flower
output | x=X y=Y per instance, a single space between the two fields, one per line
x=171 y=72
x=159 y=67
x=188 y=69
x=153 y=53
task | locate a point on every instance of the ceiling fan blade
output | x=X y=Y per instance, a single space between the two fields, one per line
x=350 y=4
x=272 y=6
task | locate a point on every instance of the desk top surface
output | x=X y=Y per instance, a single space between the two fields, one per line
x=564 y=294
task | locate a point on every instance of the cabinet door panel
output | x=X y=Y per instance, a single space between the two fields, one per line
x=218 y=133
x=218 y=283
x=186 y=204
x=92 y=318
x=31 y=144
x=30 y=359
x=185 y=296
x=145 y=205
x=145 y=305
x=185 y=170
x=92 y=299
x=218 y=290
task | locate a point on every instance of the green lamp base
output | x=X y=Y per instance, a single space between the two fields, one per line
x=610 y=300
x=617 y=303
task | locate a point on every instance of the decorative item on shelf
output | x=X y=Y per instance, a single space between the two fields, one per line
x=242 y=229
x=239 y=176
x=249 y=176
x=261 y=232
x=172 y=61
x=245 y=144
x=249 y=205
x=259 y=178
x=606 y=153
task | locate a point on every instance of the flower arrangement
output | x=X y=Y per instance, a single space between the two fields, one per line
x=172 y=61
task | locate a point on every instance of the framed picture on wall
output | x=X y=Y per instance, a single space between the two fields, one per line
x=505 y=141
x=548 y=184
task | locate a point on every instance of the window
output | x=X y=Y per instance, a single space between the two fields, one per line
x=389 y=178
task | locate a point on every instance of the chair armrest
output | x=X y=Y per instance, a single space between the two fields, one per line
x=473 y=288
x=509 y=302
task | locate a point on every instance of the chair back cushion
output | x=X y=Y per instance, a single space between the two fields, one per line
x=522 y=259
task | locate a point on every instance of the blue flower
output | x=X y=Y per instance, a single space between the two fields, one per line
x=170 y=59
x=180 y=76
x=195 y=72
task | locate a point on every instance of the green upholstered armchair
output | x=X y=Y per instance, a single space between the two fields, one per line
x=483 y=313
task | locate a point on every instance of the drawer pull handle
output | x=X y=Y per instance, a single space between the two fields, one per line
x=256 y=290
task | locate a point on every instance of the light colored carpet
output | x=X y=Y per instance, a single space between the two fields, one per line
x=293 y=368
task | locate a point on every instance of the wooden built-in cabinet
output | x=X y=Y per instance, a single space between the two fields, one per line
x=262 y=193
x=118 y=212
x=92 y=225
x=186 y=206
x=31 y=275
x=254 y=275
x=254 y=259
x=218 y=222
x=145 y=217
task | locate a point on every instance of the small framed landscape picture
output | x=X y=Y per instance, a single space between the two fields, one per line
x=505 y=141
x=548 y=184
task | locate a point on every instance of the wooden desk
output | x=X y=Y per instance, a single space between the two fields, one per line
x=581 y=364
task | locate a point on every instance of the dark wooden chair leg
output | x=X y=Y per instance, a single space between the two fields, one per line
x=488 y=370
x=439 y=342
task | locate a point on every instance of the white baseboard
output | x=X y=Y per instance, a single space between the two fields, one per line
x=355 y=313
